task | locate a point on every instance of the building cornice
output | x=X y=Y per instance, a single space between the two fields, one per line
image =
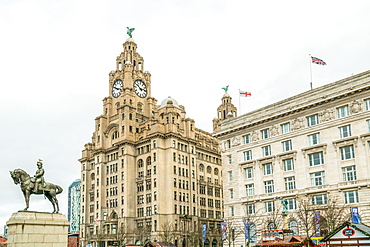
x=294 y=104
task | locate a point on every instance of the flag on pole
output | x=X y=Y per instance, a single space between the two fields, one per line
x=355 y=215
x=223 y=230
x=317 y=61
x=245 y=94
x=247 y=224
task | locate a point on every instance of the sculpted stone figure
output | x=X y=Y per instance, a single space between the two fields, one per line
x=36 y=185
x=129 y=31
x=274 y=130
x=355 y=106
x=38 y=178
x=254 y=136
x=284 y=202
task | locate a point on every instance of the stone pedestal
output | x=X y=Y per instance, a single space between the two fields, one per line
x=37 y=229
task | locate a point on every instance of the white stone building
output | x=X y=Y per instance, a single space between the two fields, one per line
x=313 y=146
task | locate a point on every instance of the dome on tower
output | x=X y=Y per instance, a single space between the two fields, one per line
x=169 y=101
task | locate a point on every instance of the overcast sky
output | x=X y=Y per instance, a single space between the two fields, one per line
x=55 y=57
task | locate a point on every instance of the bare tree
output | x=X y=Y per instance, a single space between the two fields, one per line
x=256 y=224
x=305 y=216
x=168 y=231
x=234 y=229
x=100 y=236
x=194 y=237
x=275 y=217
x=121 y=235
x=334 y=214
x=142 y=233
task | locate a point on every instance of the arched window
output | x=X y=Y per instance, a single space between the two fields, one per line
x=293 y=225
x=209 y=169
x=201 y=168
x=271 y=226
x=148 y=161
x=253 y=233
x=115 y=135
x=140 y=163
x=216 y=171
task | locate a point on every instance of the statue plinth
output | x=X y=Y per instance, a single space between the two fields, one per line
x=31 y=229
x=285 y=220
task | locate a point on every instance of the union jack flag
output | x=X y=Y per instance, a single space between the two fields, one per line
x=317 y=61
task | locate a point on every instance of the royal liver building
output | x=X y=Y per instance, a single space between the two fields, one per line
x=148 y=172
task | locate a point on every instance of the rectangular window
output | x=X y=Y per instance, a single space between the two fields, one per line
x=250 y=208
x=316 y=158
x=317 y=178
x=312 y=120
x=367 y=104
x=314 y=139
x=229 y=160
x=231 y=211
x=289 y=183
x=231 y=193
x=347 y=152
x=285 y=128
x=246 y=139
x=267 y=169
x=269 y=186
x=343 y=111
x=345 y=131
x=291 y=204
x=319 y=199
x=287 y=145
x=266 y=151
x=368 y=125
x=269 y=206
x=349 y=173
x=228 y=143
x=288 y=165
x=248 y=172
x=247 y=155
x=249 y=190
x=351 y=196
x=230 y=175
x=265 y=133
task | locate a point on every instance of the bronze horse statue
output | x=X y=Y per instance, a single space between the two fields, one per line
x=49 y=190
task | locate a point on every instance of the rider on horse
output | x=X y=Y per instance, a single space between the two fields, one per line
x=38 y=178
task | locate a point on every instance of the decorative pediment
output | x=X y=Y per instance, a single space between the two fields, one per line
x=353 y=140
x=314 y=149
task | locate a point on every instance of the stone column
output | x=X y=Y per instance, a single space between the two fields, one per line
x=37 y=229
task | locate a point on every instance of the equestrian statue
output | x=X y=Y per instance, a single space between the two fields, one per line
x=36 y=185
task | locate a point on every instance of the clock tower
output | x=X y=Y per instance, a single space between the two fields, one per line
x=148 y=171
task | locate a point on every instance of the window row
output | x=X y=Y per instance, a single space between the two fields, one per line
x=312 y=120
x=317 y=158
x=317 y=179
x=269 y=206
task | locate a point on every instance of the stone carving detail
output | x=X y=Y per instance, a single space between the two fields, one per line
x=235 y=141
x=297 y=123
x=327 y=115
x=274 y=130
x=356 y=106
x=254 y=136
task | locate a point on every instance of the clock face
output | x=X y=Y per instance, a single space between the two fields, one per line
x=140 y=88
x=117 y=87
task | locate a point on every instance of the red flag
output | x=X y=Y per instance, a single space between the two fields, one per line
x=245 y=94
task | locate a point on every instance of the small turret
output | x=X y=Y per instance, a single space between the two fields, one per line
x=224 y=111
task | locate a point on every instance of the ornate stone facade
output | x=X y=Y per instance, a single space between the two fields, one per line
x=148 y=173
x=313 y=146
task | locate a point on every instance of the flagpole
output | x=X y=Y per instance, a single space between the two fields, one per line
x=310 y=58
x=239 y=104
